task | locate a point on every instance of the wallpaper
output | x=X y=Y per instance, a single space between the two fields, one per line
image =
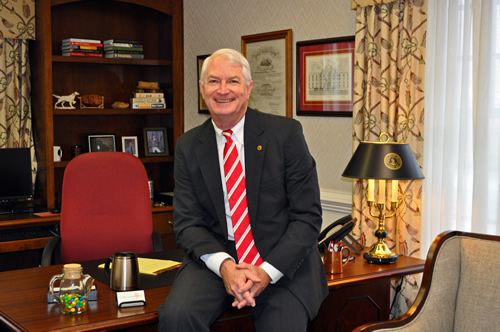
x=213 y=24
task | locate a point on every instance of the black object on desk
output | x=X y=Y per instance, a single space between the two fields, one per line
x=145 y=281
x=337 y=231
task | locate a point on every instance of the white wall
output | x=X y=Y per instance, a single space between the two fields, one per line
x=213 y=24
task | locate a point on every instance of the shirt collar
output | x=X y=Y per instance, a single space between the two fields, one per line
x=238 y=131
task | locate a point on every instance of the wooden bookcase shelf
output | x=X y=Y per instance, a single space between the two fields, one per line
x=145 y=160
x=158 y=25
x=111 y=111
x=141 y=62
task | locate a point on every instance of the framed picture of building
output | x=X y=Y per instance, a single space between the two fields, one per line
x=325 y=75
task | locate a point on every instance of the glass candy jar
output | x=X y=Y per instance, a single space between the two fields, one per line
x=74 y=289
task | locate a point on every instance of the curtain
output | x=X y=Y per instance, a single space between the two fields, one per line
x=389 y=97
x=462 y=130
x=363 y=3
x=18 y=19
x=18 y=25
x=15 y=99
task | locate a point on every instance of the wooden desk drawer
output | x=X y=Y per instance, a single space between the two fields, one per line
x=162 y=224
x=20 y=245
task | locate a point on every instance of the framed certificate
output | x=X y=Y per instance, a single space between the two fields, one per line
x=270 y=58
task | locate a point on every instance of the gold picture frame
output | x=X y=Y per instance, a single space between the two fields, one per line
x=270 y=58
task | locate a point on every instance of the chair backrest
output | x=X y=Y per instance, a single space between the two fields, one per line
x=478 y=296
x=460 y=284
x=459 y=290
x=105 y=207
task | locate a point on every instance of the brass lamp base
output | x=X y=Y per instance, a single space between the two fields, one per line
x=380 y=254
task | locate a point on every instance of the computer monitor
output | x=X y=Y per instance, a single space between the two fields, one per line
x=16 y=181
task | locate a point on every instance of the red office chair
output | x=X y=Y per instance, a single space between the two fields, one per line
x=106 y=208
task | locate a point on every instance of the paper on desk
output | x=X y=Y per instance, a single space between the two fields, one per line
x=153 y=266
x=46 y=214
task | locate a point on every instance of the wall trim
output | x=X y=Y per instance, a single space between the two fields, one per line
x=336 y=201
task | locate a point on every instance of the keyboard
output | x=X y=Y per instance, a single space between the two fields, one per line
x=26 y=234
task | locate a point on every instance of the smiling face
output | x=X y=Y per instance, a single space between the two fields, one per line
x=225 y=92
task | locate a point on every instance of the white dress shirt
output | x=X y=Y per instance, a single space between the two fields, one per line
x=214 y=261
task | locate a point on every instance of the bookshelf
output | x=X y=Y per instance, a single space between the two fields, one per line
x=158 y=25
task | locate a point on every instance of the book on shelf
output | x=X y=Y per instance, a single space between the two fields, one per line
x=148 y=95
x=148 y=105
x=81 y=40
x=81 y=44
x=125 y=52
x=82 y=48
x=123 y=45
x=124 y=56
x=88 y=54
x=147 y=100
x=122 y=41
x=117 y=48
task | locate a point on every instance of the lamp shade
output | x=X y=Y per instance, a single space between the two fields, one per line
x=383 y=160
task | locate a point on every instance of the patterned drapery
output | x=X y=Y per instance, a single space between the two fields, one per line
x=15 y=97
x=355 y=4
x=389 y=97
x=17 y=25
x=18 y=19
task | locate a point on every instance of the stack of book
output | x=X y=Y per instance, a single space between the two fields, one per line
x=123 y=48
x=82 y=47
x=147 y=100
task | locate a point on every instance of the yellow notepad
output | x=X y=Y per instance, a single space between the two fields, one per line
x=153 y=266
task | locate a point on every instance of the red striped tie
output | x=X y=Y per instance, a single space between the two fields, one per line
x=236 y=192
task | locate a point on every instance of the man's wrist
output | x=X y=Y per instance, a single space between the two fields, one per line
x=272 y=272
x=215 y=260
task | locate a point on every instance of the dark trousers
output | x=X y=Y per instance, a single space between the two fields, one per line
x=198 y=297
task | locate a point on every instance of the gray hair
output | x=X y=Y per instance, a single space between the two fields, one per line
x=235 y=57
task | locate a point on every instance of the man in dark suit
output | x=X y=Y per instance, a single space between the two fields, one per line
x=287 y=289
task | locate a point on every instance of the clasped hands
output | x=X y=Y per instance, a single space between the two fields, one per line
x=243 y=281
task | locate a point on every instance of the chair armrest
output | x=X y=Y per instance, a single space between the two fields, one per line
x=157 y=242
x=51 y=251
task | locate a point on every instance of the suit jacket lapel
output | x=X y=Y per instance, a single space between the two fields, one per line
x=255 y=147
x=206 y=155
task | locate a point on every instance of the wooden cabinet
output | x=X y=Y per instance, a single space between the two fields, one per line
x=163 y=225
x=158 y=25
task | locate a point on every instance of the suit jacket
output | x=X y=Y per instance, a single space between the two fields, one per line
x=282 y=195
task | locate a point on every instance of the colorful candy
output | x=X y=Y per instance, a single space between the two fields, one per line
x=73 y=303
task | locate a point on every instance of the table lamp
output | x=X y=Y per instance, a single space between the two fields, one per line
x=382 y=161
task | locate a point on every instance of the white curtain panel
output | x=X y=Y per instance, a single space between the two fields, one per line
x=462 y=120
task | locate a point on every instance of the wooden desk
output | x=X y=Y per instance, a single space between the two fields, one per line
x=23 y=221
x=360 y=295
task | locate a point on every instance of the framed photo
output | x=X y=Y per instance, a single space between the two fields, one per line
x=202 y=107
x=129 y=145
x=270 y=58
x=101 y=143
x=325 y=72
x=155 y=142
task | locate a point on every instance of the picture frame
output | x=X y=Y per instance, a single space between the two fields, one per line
x=202 y=106
x=155 y=142
x=325 y=77
x=101 y=143
x=129 y=145
x=270 y=58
